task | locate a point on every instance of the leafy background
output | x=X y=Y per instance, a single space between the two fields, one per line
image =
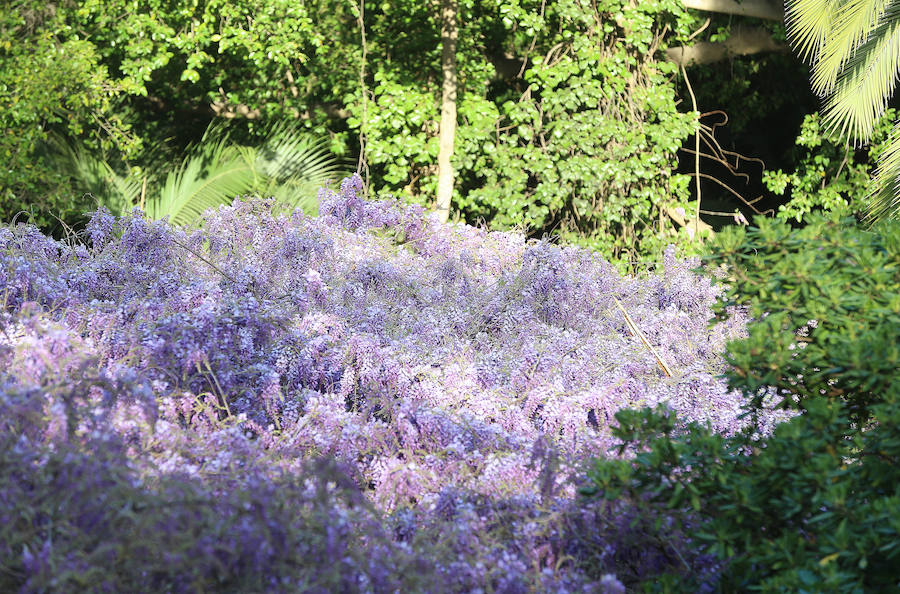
x=416 y=406
x=570 y=122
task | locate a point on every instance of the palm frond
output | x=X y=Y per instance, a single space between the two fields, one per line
x=868 y=80
x=295 y=165
x=94 y=175
x=297 y=194
x=853 y=24
x=884 y=193
x=853 y=47
x=213 y=173
x=809 y=24
x=288 y=165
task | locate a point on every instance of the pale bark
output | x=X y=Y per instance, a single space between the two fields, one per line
x=683 y=220
x=743 y=41
x=760 y=9
x=449 y=34
x=224 y=110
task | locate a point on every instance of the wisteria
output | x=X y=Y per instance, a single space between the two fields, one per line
x=368 y=400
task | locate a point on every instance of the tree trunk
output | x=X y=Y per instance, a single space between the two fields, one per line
x=449 y=16
x=743 y=41
x=760 y=9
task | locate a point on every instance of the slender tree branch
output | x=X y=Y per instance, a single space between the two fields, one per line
x=743 y=41
x=760 y=9
x=362 y=165
x=696 y=149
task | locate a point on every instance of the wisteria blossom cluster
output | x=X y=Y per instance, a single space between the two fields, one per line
x=368 y=400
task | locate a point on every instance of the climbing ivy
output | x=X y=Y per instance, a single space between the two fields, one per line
x=568 y=121
x=831 y=176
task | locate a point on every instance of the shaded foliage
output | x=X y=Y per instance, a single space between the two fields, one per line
x=286 y=165
x=567 y=121
x=157 y=380
x=814 y=506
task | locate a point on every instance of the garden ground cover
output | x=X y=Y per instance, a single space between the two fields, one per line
x=368 y=400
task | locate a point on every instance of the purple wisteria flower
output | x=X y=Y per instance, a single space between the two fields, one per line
x=369 y=400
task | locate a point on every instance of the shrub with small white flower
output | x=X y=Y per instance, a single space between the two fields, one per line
x=369 y=400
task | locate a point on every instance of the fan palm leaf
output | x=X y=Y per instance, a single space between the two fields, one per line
x=212 y=174
x=94 y=175
x=287 y=165
x=294 y=166
x=297 y=193
x=853 y=47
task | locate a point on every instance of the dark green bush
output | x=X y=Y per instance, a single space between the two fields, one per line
x=813 y=506
x=826 y=302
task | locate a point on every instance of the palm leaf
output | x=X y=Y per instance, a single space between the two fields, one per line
x=867 y=81
x=853 y=23
x=212 y=174
x=288 y=165
x=297 y=193
x=854 y=49
x=294 y=166
x=809 y=24
x=884 y=194
x=93 y=175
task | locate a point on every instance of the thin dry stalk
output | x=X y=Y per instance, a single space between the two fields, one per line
x=635 y=331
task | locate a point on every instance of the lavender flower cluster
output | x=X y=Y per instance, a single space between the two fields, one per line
x=368 y=400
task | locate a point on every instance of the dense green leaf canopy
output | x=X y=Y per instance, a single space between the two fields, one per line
x=854 y=49
x=568 y=118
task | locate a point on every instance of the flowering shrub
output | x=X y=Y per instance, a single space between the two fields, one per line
x=813 y=506
x=364 y=401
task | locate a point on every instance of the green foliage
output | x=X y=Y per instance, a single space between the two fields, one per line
x=591 y=148
x=291 y=166
x=830 y=176
x=210 y=44
x=824 y=299
x=854 y=51
x=813 y=506
x=580 y=142
x=117 y=77
x=288 y=166
x=213 y=173
x=49 y=80
x=91 y=177
x=270 y=59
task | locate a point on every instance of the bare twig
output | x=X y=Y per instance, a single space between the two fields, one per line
x=362 y=165
x=749 y=203
x=696 y=151
x=722 y=157
x=635 y=331
x=533 y=41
